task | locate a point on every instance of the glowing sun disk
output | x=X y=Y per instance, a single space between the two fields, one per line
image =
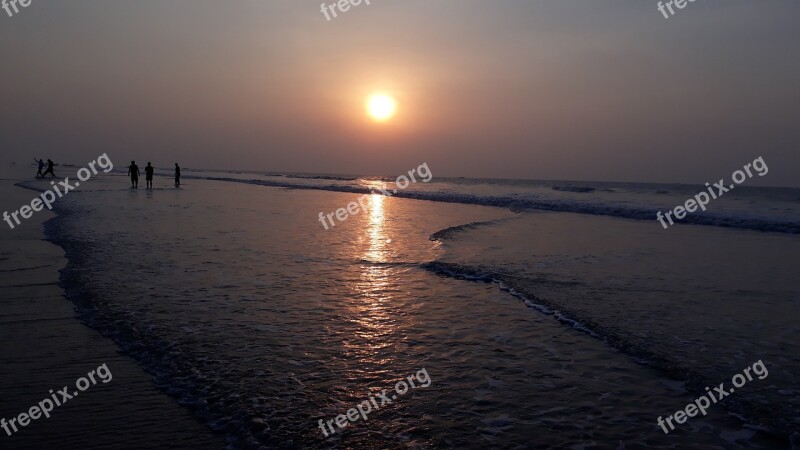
x=381 y=107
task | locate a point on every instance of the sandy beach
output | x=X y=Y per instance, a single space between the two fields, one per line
x=43 y=346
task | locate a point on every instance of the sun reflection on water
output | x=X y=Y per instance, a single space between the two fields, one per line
x=378 y=240
x=375 y=310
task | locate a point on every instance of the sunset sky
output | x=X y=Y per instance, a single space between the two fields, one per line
x=551 y=89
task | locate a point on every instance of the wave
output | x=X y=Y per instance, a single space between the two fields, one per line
x=580 y=189
x=319 y=177
x=268 y=174
x=153 y=355
x=447 y=232
x=463 y=272
x=751 y=413
x=517 y=204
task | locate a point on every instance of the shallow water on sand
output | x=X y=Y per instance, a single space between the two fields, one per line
x=248 y=311
x=700 y=304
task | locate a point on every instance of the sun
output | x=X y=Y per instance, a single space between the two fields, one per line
x=381 y=107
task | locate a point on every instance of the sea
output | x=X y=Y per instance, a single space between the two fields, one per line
x=547 y=314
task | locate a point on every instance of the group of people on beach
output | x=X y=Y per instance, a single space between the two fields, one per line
x=42 y=165
x=133 y=172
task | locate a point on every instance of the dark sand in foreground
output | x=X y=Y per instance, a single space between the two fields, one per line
x=43 y=346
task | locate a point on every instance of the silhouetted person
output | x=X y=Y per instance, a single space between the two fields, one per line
x=177 y=175
x=41 y=167
x=49 y=169
x=148 y=175
x=133 y=171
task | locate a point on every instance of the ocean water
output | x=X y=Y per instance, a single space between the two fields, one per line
x=545 y=318
x=746 y=207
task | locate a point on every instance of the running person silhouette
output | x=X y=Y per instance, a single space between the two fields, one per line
x=49 y=169
x=41 y=167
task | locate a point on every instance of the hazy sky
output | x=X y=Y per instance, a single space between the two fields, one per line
x=543 y=89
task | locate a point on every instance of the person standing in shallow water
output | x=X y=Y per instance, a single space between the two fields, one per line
x=148 y=175
x=177 y=175
x=133 y=171
x=49 y=169
x=41 y=167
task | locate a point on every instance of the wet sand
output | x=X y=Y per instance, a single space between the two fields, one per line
x=43 y=346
